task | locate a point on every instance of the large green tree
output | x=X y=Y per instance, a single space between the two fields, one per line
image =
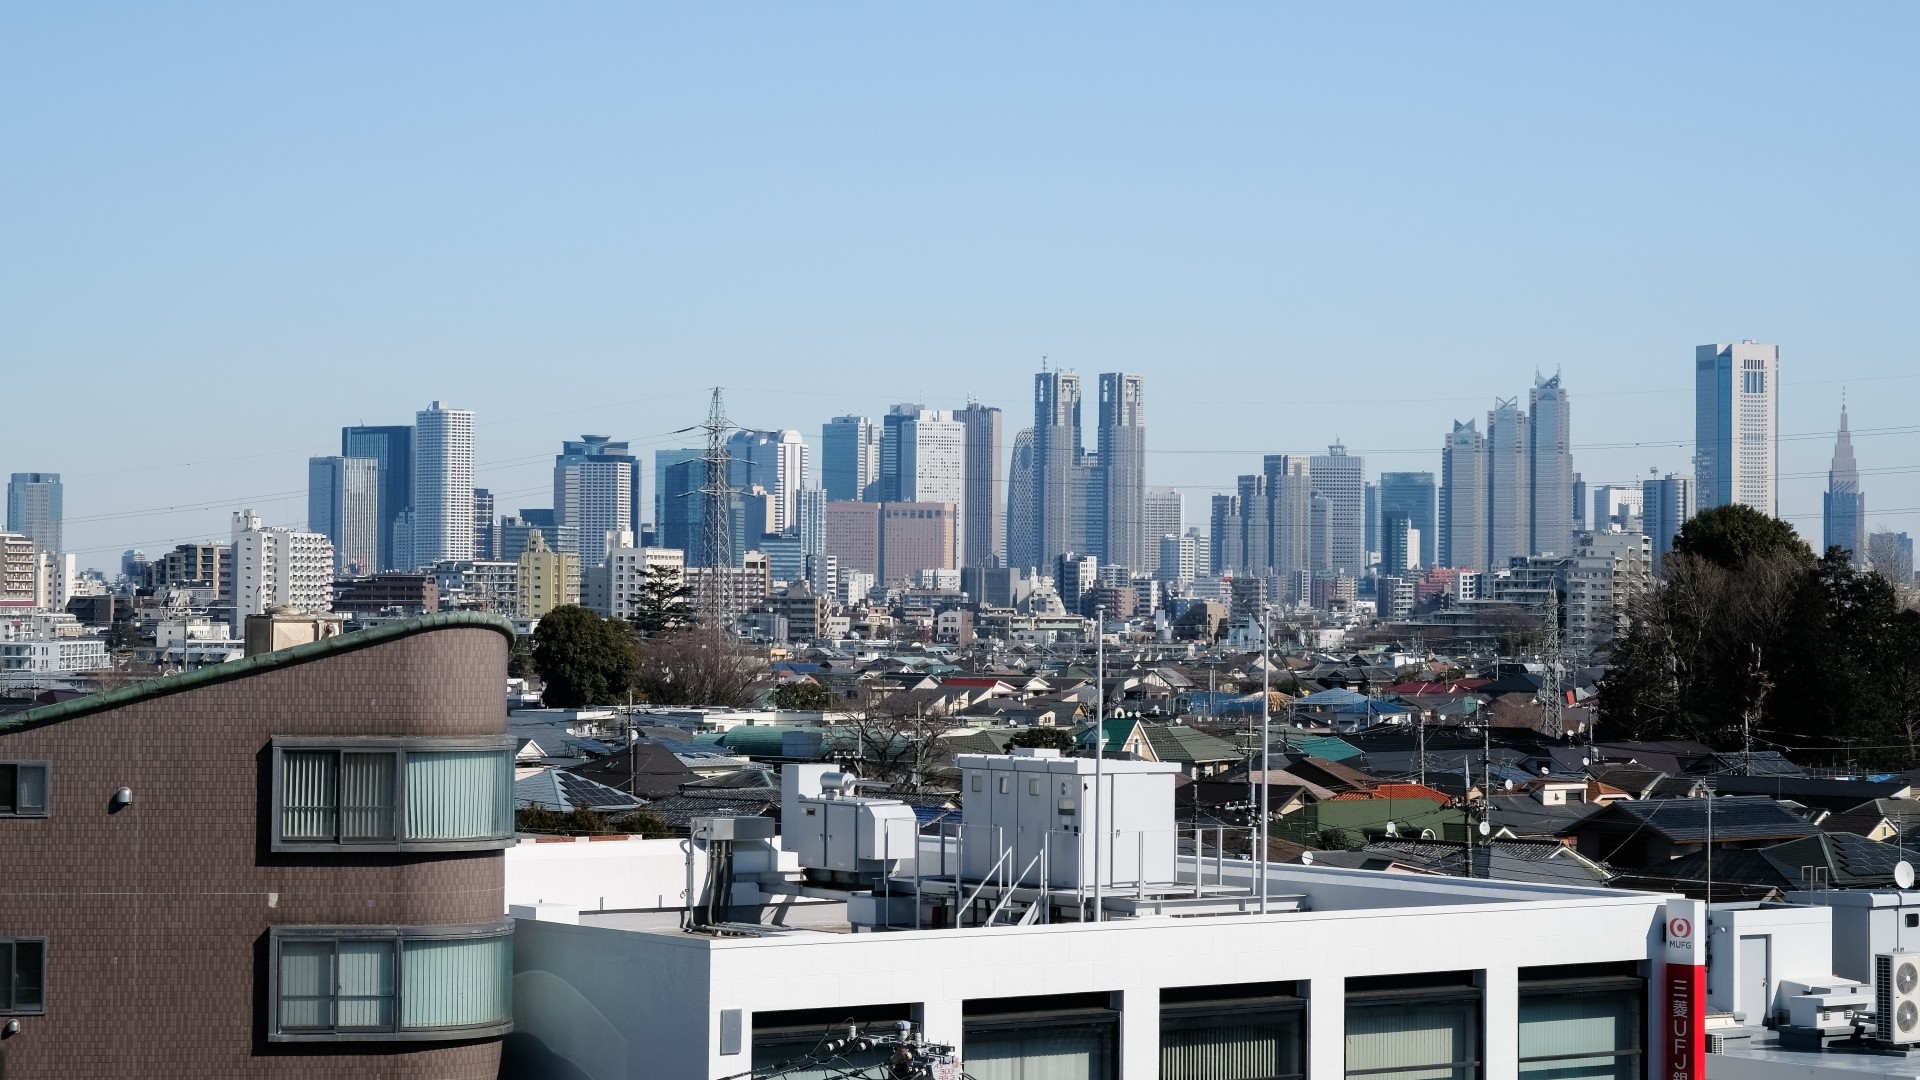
x=1728 y=536
x=803 y=696
x=582 y=658
x=665 y=603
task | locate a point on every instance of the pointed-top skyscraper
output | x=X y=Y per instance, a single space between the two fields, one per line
x=1845 y=505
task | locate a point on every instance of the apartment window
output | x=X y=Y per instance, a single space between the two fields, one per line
x=1582 y=1023
x=788 y=1042
x=1253 y=1032
x=1063 y=1037
x=392 y=794
x=23 y=789
x=23 y=976
x=1418 y=1027
x=391 y=984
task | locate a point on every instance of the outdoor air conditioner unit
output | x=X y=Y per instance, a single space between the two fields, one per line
x=1896 y=997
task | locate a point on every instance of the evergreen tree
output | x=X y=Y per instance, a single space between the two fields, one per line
x=582 y=658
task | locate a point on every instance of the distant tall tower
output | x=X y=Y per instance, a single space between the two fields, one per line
x=596 y=483
x=1342 y=478
x=1056 y=461
x=775 y=461
x=35 y=509
x=391 y=447
x=343 y=504
x=1123 y=469
x=889 y=490
x=985 y=542
x=933 y=463
x=1736 y=425
x=1023 y=523
x=1412 y=494
x=850 y=459
x=1845 y=506
x=1166 y=516
x=1665 y=505
x=1550 y=469
x=1463 y=499
x=1289 y=505
x=442 y=486
x=1509 y=523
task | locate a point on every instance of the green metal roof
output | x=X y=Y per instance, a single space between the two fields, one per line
x=254 y=665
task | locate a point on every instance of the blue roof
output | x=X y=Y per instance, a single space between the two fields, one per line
x=1325 y=746
x=1333 y=697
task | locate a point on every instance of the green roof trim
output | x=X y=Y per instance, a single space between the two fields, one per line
x=377 y=634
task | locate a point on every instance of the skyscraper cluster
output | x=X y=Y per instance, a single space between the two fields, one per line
x=1507 y=492
x=1064 y=498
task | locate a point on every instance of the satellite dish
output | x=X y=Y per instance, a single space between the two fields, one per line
x=1485 y=828
x=1426 y=834
x=1392 y=829
x=1509 y=783
x=1903 y=874
x=1306 y=858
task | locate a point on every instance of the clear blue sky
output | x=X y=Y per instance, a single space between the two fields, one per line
x=226 y=230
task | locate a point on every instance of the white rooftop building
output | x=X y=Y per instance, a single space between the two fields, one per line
x=1008 y=947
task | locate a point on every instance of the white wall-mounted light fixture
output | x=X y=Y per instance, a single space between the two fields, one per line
x=12 y=1028
x=122 y=798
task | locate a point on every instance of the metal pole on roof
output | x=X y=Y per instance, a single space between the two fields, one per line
x=1099 y=749
x=1266 y=724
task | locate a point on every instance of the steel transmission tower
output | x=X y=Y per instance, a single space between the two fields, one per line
x=1552 y=719
x=716 y=501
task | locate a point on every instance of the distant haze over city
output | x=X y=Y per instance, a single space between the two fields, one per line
x=231 y=232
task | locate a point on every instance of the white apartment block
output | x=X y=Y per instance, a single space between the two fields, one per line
x=1177 y=559
x=54 y=656
x=279 y=567
x=627 y=568
x=1609 y=569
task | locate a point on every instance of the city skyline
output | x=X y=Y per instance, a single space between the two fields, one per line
x=1214 y=225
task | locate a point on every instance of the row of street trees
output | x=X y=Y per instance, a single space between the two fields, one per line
x=1752 y=641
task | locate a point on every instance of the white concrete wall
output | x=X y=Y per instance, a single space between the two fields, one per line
x=613 y=874
x=1801 y=949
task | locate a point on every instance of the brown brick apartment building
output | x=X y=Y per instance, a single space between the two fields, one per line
x=286 y=866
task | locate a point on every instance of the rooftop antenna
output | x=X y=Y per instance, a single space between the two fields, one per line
x=717 y=497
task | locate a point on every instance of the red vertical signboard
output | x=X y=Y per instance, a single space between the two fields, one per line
x=1683 y=1008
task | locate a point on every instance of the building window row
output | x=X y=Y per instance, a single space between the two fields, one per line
x=392 y=794
x=391 y=983
x=23 y=981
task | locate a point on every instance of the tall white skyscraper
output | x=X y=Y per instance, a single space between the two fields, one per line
x=1166 y=511
x=594 y=487
x=1549 y=469
x=343 y=504
x=1736 y=425
x=933 y=464
x=1123 y=470
x=1509 y=522
x=775 y=461
x=1342 y=478
x=442 y=520
x=279 y=567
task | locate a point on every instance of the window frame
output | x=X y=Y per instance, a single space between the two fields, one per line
x=399 y=936
x=1633 y=985
x=399 y=747
x=46 y=788
x=7 y=1005
x=1434 y=988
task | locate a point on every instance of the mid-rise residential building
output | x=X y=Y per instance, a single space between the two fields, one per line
x=1619 y=508
x=486 y=542
x=1399 y=543
x=1341 y=478
x=1412 y=494
x=1609 y=570
x=343 y=504
x=278 y=567
x=849 y=459
x=19 y=573
x=56 y=579
x=546 y=579
x=352 y=925
x=396 y=593
x=596 y=489
x=1178 y=560
x=486 y=585
x=1463 y=499
x=1394 y=594
x=983 y=526
x=442 y=509
x=1844 y=508
x=391 y=448
x=36 y=509
x=630 y=568
x=1736 y=427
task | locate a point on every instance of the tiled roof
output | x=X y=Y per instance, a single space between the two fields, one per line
x=557 y=789
x=1738 y=817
